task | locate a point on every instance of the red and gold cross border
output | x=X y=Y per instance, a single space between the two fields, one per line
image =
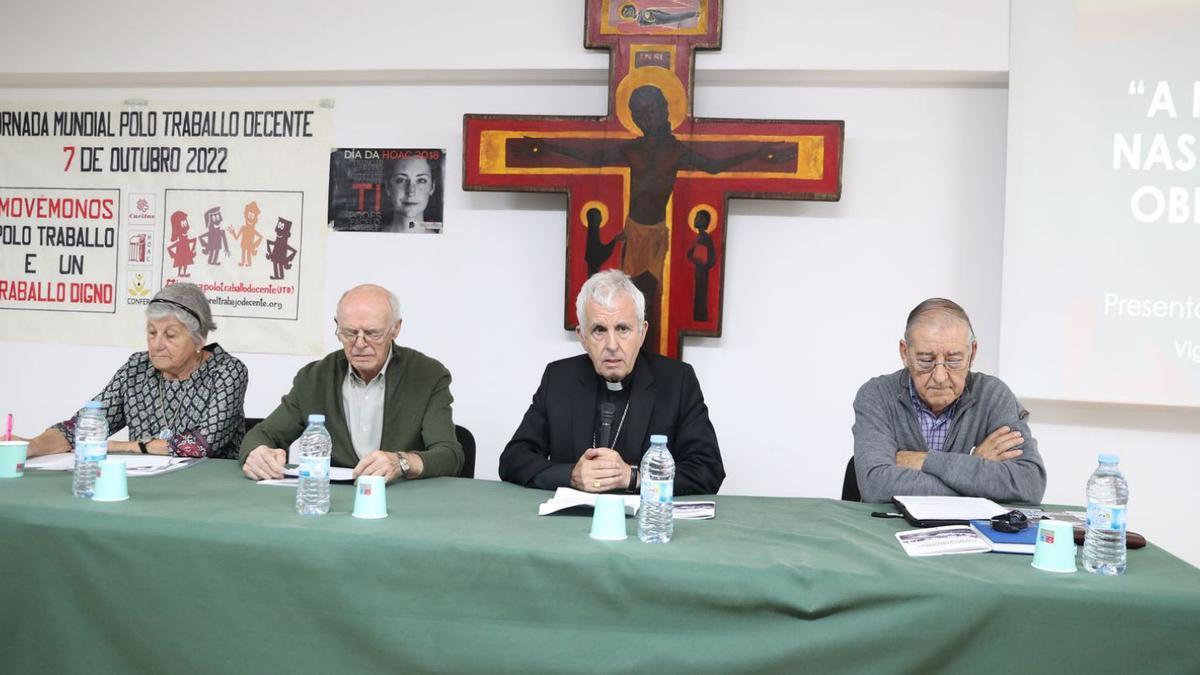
x=651 y=47
x=491 y=160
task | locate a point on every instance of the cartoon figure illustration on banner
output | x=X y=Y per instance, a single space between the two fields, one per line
x=183 y=248
x=279 y=252
x=248 y=235
x=597 y=252
x=213 y=240
x=703 y=255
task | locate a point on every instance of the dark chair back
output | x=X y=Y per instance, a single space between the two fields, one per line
x=467 y=441
x=249 y=423
x=850 y=491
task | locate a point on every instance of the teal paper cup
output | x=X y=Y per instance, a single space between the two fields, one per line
x=608 y=519
x=370 y=501
x=111 y=485
x=12 y=458
x=1055 y=547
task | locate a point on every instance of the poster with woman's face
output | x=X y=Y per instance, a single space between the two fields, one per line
x=386 y=190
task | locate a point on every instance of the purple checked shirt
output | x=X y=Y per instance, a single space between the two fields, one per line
x=933 y=427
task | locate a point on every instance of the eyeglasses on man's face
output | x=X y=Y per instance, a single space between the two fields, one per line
x=374 y=335
x=927 y=364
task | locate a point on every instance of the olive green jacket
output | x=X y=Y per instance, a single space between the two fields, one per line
x=416 y=411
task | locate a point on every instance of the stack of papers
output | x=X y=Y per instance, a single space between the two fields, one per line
x=568 y=498
x=927 y=511
x=337 y=474
x=135 y=465
x=946 y=525
x=694 y=510
x=978 y=537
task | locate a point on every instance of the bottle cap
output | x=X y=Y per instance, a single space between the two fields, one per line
x=658 y=438
x=1109 y=458
x=93 y=404
x=316 y=419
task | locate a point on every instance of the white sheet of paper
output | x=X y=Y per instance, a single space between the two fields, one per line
x=565 y=498
x=63 y=461
x=951 y=508
x=694 y=510
x=336 y=473
x=135 y=465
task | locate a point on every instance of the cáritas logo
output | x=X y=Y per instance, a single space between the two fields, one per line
x=140 y=209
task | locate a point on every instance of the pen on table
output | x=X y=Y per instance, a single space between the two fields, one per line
x=885 y=514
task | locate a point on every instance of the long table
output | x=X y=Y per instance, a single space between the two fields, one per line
x=204 y=571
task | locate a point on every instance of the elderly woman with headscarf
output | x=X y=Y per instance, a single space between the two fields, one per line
x=179 y=397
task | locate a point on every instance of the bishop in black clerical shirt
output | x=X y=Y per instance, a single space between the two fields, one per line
x=617 y=391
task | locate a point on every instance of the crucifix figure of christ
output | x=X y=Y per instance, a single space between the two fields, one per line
x=648 y=184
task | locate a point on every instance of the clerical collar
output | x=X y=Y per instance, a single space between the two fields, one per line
x=619 y=386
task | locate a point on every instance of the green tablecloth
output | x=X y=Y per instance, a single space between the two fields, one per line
x=204 y=571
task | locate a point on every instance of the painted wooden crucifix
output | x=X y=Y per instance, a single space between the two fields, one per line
x=648 y=184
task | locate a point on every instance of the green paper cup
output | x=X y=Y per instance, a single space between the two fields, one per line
x=111 y=485
x=608 y=519
x=1055 y=547
x=370 y=501
x=12 y=458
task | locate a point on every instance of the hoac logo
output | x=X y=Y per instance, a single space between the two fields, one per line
x=140 y=248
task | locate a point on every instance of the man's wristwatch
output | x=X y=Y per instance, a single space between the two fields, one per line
x=633 y=484
x=403 y=465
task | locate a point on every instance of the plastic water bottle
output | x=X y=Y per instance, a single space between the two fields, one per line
x=312 y=494
x=655 y=524
x=91 y=446
x=1107 y=495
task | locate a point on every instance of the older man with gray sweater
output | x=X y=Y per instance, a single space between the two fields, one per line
x=936 y=428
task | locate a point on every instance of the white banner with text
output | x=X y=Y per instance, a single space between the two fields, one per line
x=103 y=204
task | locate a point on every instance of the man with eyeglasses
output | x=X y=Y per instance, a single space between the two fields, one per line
x=936 y=428
x=387 y=407
x=593 y=414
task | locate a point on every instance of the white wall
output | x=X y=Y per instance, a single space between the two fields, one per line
x=816 y=294
x=230 y=38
